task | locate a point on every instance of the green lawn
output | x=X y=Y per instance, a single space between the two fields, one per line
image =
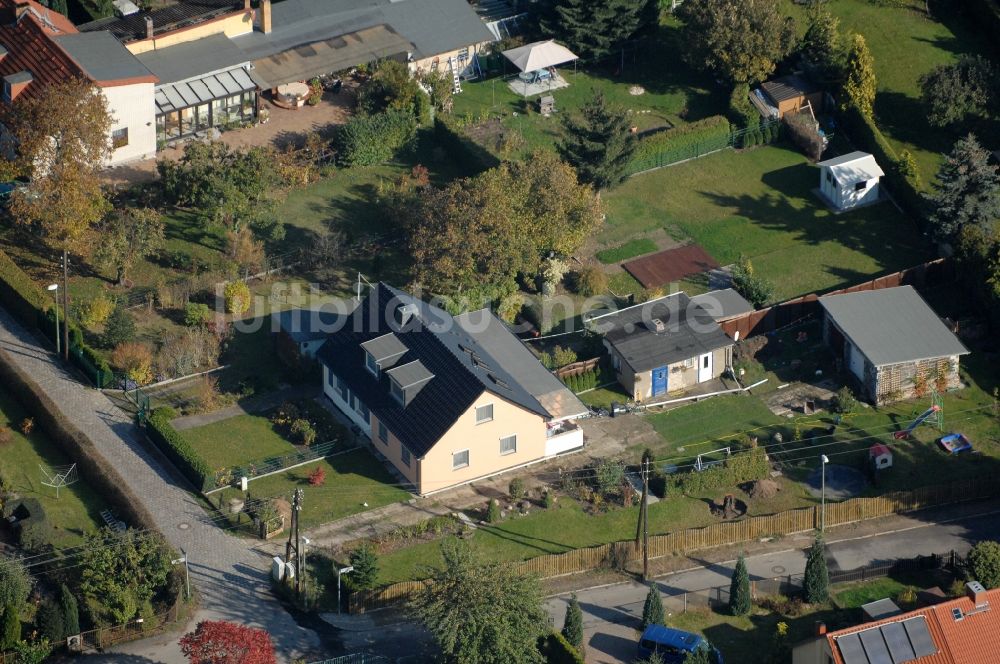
x=237 y=441
x=853 y=596
x=674 y=93
x=355 y=482
x=625 y=251
x=77 y=510
x=906 y=44
x=760 y=203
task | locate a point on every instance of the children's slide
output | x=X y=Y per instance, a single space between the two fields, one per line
x=905 y=433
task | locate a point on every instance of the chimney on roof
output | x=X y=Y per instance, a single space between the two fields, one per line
x=265 y=16
x=14 y=84
x=977 y=593
x=149 y=27
x=820 y=628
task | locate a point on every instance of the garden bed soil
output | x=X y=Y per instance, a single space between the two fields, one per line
x=670 y=265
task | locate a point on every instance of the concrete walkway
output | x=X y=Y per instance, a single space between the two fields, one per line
x=254 y=405
x=230 y=574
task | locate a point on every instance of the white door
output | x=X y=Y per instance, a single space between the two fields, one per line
x=705 y=367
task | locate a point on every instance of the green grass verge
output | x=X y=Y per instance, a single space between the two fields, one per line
x=78 y=508
x=625 y=251
x=760 y=203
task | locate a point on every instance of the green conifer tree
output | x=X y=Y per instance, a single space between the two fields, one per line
x=71 y=611
x=573 y=625
x=10 y=628
x=599 y=143
x=652 y=610
x=739 y=589
x=817 y=578
x=859 y=88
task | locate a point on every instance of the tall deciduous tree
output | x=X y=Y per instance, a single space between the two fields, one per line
x=652 y=609
x=953 y=93
x=599 y=142
x=482 y=612
x=739 y=589
x=62 y=141
x=741 y=40
x=984 y=563
x=595 y=30
x=967 y=191
x=859 y=86
x=127 y=236
x=821 y=46
x=220 y=642
x=816 y=583
x=505 y=220
x=573 y=624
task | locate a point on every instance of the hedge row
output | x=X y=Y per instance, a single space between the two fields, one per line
x=32 y=306
x=557 y=650
x=99 y=474
x=176 y=448
x=367 y=140
x=711 y=133
x=580 y=382
x=868 y=137
x=472 y=157
x=737 y=469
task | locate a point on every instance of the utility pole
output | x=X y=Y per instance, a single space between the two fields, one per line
x=299 y=568
x=65 y=294
x=645 y=520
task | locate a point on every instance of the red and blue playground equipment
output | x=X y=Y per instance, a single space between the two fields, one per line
x=933 y=410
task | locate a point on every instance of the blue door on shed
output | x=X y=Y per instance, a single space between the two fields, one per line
x=659 y=381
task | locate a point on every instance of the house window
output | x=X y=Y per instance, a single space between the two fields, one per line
x=371 y=364
x=119 y=138
x=383 y=433
x=484 y=413
x=363 y=411
x=397 y=392
x=404 y=455
x=861 y=186
x=6 y=91
x=508 y=445
x=704 y=361
x=330 y=379
x=342 y=389
x=460 y=460
x=829 y=176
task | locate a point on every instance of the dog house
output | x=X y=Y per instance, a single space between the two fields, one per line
x=880 y=456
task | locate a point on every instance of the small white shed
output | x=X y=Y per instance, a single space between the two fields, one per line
x=850 y=180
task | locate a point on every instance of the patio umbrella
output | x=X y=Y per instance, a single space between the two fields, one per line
x=539 y=55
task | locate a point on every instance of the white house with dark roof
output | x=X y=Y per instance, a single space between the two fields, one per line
x=892 y=342
x=665 y=345
x=446 y=400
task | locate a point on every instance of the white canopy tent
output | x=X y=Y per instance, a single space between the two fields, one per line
x=539 y=55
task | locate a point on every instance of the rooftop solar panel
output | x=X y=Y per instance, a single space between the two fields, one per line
x=898 y=642
x=920 y=638
x=874 y=646
x=851 y=650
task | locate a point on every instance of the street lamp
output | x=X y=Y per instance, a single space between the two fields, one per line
x=52 y=288
x=822 y=518
x=342 y=570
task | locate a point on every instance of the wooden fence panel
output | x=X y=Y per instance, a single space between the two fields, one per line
x=718 y=534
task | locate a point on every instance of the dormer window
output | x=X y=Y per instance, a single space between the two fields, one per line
x=383 y=352
x=397 y=392
x=406 y=381
x=372 y=364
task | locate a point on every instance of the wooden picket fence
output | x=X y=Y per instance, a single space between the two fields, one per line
x=617 y=554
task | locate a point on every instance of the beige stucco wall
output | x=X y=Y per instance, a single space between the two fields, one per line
x=133 y=106
x=232 y=26
x=426 y=64
x=483 y=443
x=393 y=451
x=679 y=376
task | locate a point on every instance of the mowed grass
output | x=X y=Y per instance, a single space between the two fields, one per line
x=237 y=441
x=905 y=44
x=77 y=510
x=355 y=482
x=625 y=251
x=760 y=203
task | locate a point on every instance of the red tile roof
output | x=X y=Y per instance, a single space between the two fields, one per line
x=30 y=46
x=975 y=639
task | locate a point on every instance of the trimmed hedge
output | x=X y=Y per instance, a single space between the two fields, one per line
x=557 y=650
x=98 y=472
x=867 y=136
x=705 y=135
x=473 y=157
x=368 y=140
x=741 y=467
x=176 y=448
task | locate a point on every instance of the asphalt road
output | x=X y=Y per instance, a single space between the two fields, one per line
x=611 y=615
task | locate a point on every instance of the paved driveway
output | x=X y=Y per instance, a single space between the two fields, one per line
x=229 y=573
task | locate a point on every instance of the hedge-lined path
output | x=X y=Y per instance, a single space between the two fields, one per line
x=230 y=574
x=259 y=404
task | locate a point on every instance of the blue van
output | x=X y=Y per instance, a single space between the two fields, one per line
x=673 y=645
